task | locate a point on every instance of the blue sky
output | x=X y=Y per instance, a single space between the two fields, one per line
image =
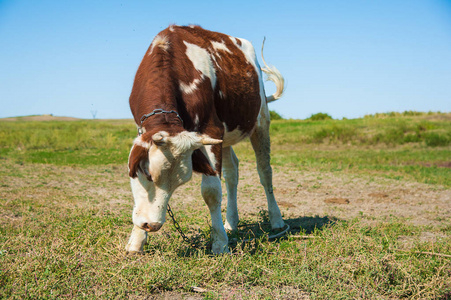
x=345 y=58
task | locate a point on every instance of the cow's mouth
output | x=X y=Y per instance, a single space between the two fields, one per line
x=151 y=227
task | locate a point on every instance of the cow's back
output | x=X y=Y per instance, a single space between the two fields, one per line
x=215 y=79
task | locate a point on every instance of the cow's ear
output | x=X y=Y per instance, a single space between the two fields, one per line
x=201 y=164
x=139 y=161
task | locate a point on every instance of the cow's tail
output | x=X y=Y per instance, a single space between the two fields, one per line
x=273 y=75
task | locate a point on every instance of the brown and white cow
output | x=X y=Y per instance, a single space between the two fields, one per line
x=197 y=93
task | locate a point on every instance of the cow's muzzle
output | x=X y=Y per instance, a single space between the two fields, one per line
x=151 y=227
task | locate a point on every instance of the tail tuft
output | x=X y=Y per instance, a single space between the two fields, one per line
x=273 y=75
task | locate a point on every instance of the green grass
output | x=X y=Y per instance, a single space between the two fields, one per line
x=54 y=253
x=371 y=146
x=67 y=143
x=59 y=238
x=416 y=164
x=410 y=146
x=428 y=130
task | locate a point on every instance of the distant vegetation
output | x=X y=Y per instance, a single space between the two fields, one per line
x=427 y=129
x=407 y=113
x=274 y=115
x=319 y=117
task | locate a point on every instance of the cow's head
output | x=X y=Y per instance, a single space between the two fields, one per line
x=156 y=168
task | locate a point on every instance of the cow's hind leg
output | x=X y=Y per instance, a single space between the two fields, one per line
x=230 y=172
x=261 y=144
x=212 y=194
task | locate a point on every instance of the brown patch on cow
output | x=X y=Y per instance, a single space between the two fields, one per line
x=137 y=156
x=337 y=201
x=201 y=164
x=217 y=151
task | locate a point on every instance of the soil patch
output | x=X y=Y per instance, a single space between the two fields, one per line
x=337 y=201
x=443 y=164
x=300 y=194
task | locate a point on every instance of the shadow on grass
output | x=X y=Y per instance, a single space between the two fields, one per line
x=249 y=237
x=308 y=225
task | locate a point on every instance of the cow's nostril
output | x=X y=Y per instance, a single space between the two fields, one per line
x=150 y=227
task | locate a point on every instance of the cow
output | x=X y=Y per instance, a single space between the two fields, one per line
x=197 y=93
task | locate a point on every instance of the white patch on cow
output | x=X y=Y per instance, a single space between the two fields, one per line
x=139 y=142
x=213 y=57
x=189 y=88
x=160 y=41
x=150 y=203
x=249 y=53
x=196 y=122
x=221 y=95
x=232 y=137
x=220 y=46
x=202 y=61
x=137 y=240
x=263 y=115
x=210 y=156
x=212 y=194
x=233 y=39
x=171 y=28
x=230 y=172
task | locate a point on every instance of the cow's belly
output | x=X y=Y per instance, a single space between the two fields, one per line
x=233 y=137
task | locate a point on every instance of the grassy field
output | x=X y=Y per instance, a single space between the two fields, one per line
x=65 y=215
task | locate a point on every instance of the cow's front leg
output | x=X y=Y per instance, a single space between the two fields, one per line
x=212 y=194
x=137 y=240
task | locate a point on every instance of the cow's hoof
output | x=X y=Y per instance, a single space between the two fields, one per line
x=229 y=227
x=220 y=248
x=279 y=224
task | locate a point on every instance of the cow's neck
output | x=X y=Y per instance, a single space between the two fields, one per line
x=168 y=122
x=160 y=113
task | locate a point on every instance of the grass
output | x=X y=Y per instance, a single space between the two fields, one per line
x=67 y=143
x=396 y=143
x=65 y=218
x=77 y=251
